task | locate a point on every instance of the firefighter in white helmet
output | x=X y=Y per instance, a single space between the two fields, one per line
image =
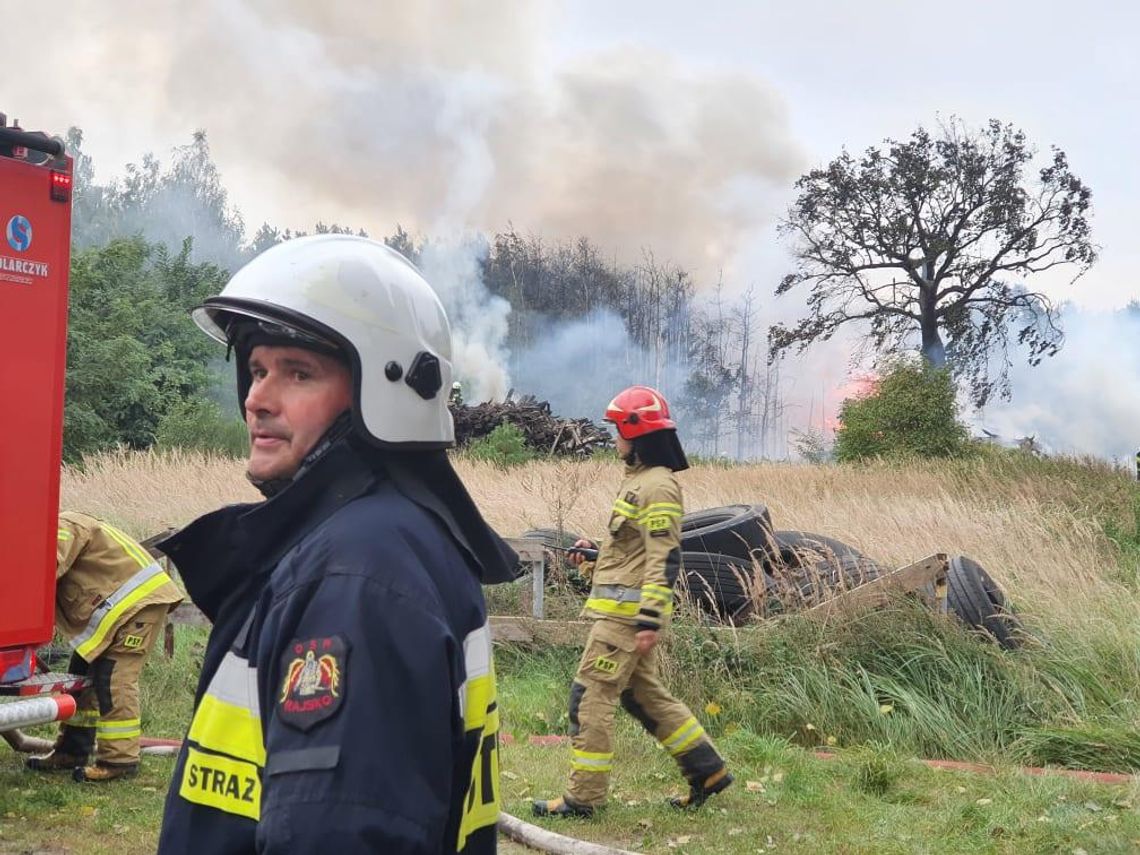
x=347 y=696
x=630 y=603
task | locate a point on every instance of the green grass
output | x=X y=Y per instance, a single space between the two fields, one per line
x=866 y=800
x=871 y=798
x=878 y=689
x=50 y=813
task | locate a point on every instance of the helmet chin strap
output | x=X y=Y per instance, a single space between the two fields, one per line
x=341 y=427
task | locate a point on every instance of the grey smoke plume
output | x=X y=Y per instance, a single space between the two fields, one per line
x=371 y=114
x=478 y=318
x=442 y=116
x=1084 y=400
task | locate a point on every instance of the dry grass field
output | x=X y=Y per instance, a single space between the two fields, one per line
x=1060 y=536
x=1037 y=526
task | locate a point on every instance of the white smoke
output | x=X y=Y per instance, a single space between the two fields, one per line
x=442 y=116
x=417 y=112
x=1084 y=400
x=478 y=318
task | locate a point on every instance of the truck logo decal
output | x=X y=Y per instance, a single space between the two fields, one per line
x=19 y=233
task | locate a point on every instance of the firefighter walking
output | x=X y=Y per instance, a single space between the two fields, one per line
x=112 y=599
x=630 y=603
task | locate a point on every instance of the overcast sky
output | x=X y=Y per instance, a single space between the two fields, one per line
x=673 y=126
x=468 y=106
x=851 y=74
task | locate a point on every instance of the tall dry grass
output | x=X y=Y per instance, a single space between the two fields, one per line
x=1037 y=526
x=1071 y=694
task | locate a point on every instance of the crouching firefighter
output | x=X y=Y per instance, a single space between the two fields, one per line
x=111 y=604
x=347 y=696
x=630 y=603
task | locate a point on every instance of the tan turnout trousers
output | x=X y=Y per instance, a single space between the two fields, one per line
x=107 y=718
x=612 y=672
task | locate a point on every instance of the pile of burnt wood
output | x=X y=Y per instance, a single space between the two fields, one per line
x=544 y=432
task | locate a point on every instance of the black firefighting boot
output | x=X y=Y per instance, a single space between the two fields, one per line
x=100 y=773
x=55 y=761
x=700 y=790
x=560 y=807
x=73 y=746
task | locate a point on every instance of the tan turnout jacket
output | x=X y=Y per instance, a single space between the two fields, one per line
x=103 y=579
x=639 y=563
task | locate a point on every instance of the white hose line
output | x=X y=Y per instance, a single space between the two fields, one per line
x=547 y=841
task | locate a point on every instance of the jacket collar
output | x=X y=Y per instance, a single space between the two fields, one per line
x=221 y=554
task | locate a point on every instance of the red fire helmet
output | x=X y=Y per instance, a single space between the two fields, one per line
x=639 y=410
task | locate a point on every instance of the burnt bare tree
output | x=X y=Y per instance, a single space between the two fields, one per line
x=931 y=239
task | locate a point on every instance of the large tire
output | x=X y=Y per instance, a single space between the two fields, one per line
x=722 y=587
x=810 y=583
x=557 y=564
x=978 y=602
x=801 y=548
x=738 y=531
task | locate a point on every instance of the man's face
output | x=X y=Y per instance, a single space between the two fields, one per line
x=294 y=397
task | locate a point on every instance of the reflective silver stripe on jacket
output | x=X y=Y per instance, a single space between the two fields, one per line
x=124 y=591
x=618 y=593
x=476 y=661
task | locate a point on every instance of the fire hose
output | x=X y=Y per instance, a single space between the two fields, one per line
x=36 y=711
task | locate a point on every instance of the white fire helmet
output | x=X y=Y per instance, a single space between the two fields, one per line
x=369 y=303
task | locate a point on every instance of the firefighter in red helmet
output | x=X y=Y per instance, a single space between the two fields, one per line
x=630 y=603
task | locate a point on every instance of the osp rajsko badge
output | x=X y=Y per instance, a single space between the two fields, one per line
x=313 y=685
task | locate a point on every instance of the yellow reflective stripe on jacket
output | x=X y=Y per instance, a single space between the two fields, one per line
x=609 y=607
x=683 y=737
x=226 y=750
x=614 y=600
x=626 y=509
x=223 y=783
x=592 y=761
x=665 y=510
x=480 y=710
x=127 y=728
x=105 y=618
x=63 y=534
x=228 y=718
x=671 y=509
x=656 y=598
x=132 y=548
x=477 y=693
x=659 y=516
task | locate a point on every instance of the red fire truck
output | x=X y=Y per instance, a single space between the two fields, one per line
x=35 y=251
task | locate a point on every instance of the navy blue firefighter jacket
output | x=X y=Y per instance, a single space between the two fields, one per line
x=347 y=697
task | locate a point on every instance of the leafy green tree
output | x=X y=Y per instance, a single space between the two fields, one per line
x=133 y=351
x=931 y=238
x=202 y=425
x=912 y=412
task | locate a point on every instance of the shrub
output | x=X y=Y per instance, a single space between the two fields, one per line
x=912 y=412
x=505 y=446
x=200 y=424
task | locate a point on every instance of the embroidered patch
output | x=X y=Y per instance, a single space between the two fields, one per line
x=606 y=666
x=133 y=641
x=313 y=681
